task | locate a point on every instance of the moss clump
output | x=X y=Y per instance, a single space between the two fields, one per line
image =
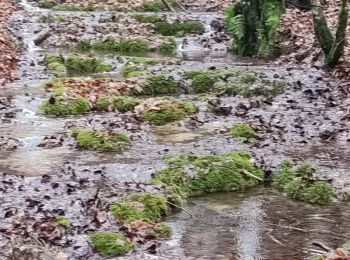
x=168 y=48
x=124 y=46
x=234 y=82
x=190 y=175
x=163 y=230
x=58 y=69
x=121 y=103
x=299 y=184
x=140 y=206
x=154 y=6
x=77 y=106
x=178 y=28
x=160 y=85
x=105 y=142
x=104 y=102
x=51 y=58
x=169 y=112
x=71 y=7
x=137 y=66
x=63 y=221
x=77 y=65
x=50 y=18
x=142 y=18
x=111 y=243
x=124 y=103
x=83 y=45
x=203 y=81
x=243 y=132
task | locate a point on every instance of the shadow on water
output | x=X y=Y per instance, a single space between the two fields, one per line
x=259 y=224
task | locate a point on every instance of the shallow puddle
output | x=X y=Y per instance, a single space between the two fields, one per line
x=258 y=224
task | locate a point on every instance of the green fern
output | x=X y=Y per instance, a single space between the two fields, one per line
x=235 y=26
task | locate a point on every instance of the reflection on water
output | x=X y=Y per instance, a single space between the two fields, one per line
x=259 y=224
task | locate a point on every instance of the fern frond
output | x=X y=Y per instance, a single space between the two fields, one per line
x=236 y=26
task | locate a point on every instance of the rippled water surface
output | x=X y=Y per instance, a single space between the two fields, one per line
x=258 y=224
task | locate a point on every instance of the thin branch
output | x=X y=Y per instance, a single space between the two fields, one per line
x=176 y=206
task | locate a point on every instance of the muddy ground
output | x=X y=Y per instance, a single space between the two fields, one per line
x=43 y=174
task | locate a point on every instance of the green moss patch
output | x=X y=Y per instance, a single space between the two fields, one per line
x=190 y=175
x=105 y=142
x=168 y=48
x=163 y=230
x=111 y=243
x=154 y=6
x=300 y=184
x=124 y=46
x=243 y=132
x=163 y=111
x=160 y=85
x=55 y=107
x=144 y=18
x=63 y=221
x=75 y=65
x=234 y=82
x=178 y=29
x=137 y=66
x=140 y=206
x=121 y=103
x=74 y=96
x=49 y=4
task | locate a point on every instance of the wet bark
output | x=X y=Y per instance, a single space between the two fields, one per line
x=331 y=45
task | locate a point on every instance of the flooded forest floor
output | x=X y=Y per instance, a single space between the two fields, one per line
x=299 y=113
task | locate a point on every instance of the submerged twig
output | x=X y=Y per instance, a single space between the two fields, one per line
x=252 y=175
x=320 y=245
x=189 y=213
x=275 y=240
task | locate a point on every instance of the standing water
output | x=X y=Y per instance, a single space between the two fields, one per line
x=252 y=225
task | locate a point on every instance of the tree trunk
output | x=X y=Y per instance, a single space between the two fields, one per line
x=332 y=46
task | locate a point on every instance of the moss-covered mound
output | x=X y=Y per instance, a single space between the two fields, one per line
x=106 y=142
x=74 y=96
x=190 y=175
x=61 y=108
x=137 y=66
x=168 y=48
x=124 y=46
x=159 y=85
x=140 y=206
x=121 y=103
x=163 y=230
x=243 y=132
x=177 y=28
x=75 y=65
x=111 y=243
x=234 y=82
x=163 y=111
x=300 y=184
x=148 y=18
